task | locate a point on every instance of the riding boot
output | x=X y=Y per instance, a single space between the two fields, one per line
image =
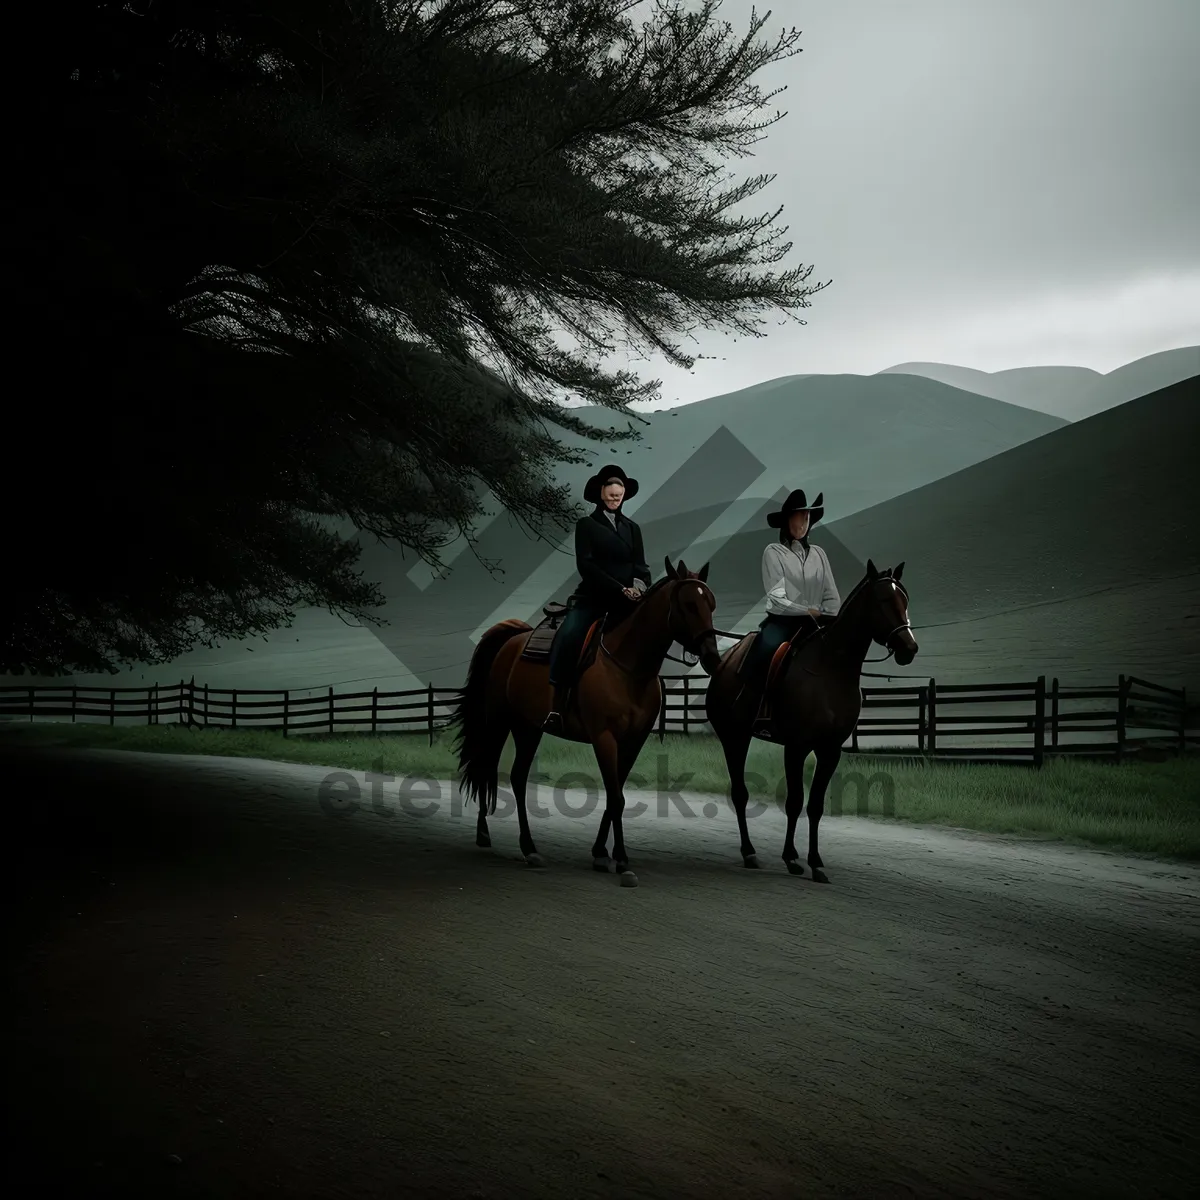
x=558 y=707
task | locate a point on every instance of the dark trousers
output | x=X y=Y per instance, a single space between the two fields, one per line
x=773 y=631
x=568 y=641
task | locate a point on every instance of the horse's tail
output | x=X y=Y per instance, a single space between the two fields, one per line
x=480 y=741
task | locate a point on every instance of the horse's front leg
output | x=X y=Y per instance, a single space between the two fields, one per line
x=608 y=759
x=600 y=859
x=794 y=758
x=827 y=762
x=628 y=753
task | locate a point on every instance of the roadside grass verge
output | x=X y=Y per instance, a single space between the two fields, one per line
x=1141 y=807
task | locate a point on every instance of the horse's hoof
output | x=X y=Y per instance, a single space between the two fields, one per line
x=535 y=860
x=602 y=864
x=795 y=867
x=751 y=860
x=819 y=876
x=482 y=839
x=628 y=879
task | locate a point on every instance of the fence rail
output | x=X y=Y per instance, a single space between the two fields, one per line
x=929 y=717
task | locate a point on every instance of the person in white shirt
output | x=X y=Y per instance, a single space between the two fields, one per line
x=800 y=590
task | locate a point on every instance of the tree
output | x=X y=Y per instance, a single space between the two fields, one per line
x=314 y=267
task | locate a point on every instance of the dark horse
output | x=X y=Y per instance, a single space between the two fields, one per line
x=615 y=703
x=816 y=701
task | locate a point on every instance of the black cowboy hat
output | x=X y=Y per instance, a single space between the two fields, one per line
x=591 y=489
x=797 y=503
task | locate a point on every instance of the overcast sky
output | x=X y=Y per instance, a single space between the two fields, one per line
x=990 y=183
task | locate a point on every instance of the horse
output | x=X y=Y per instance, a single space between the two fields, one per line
x=816 y=702
x=614 y=703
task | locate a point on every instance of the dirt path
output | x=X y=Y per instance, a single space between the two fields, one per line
x=209 y=965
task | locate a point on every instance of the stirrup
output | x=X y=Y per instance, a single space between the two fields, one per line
x=763 y=720
x=556 y=718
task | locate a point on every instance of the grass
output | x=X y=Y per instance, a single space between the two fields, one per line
x=1140 y=807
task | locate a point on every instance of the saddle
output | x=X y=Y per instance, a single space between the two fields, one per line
x=781 y=656
x=539 y=642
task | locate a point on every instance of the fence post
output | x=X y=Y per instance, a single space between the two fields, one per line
x=112 y=706
x=1054 y=713
x=75 y=701
x=662 y=709
x=687 y=699
x=922 y=701
x=1183 y=721
x=233 y=709
x=287 y=699
x=374 y=709
x=429 y=711
x=192 y=702
x=1122 y=703
x=1039 y=726
x=331 y=708
x=932 y=739
x=150 y=691
x=31 y=706
x=206 y=706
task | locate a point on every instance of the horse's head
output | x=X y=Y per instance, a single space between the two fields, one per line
x=692 y=607
x=888 y=616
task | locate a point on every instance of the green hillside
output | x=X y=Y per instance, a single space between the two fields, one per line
x=1073 y=393
x=1075 y=554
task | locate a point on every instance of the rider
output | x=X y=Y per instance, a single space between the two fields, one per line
x=801 y=593
x=612 y=568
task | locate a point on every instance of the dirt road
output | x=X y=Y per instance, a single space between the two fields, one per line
x=226 y=989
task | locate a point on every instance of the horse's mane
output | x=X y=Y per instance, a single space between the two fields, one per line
x=634 y=605
x=861 y=585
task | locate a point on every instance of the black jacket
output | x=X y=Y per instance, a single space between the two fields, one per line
x=608 y=559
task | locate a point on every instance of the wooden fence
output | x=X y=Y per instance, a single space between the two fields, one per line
x=927 y=719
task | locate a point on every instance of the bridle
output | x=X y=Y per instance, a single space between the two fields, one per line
x=689 y=645
x=882 y=641
x=885 y=641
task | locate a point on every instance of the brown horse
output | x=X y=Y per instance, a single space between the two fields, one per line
x=816 y=700
x=614 y=706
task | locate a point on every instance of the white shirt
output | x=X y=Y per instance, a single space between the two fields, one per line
x=795 y=580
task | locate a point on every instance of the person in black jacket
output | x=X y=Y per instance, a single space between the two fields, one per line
x=612 y=569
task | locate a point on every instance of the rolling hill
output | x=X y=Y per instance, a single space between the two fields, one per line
x=1072 y=393
x=1077 y=554
x=911 y=468
x=707 y=471
x=861 y=438
x=1041 y=388
x=708 y=474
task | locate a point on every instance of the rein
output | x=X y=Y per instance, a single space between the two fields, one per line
x=670 y=626
x=906 y=624
x=724 y=633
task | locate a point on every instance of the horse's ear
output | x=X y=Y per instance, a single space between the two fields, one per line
x=681 y=569
x=871 y=572
x=702 y=575
x=898 y=571
x=670 y=569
